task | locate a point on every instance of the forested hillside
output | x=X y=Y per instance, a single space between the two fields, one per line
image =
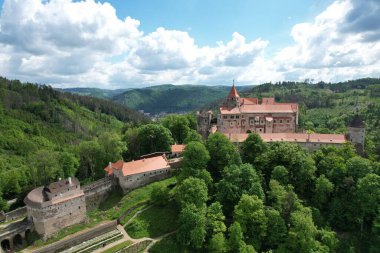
x=172 y=98
x=95 y=92
x=46 y=134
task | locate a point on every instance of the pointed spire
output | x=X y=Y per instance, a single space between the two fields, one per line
x=233 y=92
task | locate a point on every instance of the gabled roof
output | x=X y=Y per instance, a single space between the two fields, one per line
x=138 y=166
x=233 y=92
x=178 y=148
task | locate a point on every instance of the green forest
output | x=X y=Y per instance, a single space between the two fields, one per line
x=255 y=197
x=46 y=134
x=272 y=198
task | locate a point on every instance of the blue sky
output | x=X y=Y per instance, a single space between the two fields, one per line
x=119 y=44
x=209 y=21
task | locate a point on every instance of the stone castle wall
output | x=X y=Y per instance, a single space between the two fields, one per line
x=98 y=191
x=257 y=123
x=51 y=219
x=15 y=214
x=128 y=183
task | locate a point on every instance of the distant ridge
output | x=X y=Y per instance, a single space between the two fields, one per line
x=95 y=92
x=173 y=98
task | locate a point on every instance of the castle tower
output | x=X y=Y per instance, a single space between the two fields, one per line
x=204 y=123
x=356 y=133
x=233 y=99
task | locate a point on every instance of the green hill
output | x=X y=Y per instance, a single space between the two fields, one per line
x=95 y=92
x=40 y=125
x=172 y=98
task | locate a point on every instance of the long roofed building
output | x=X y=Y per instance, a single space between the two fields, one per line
x=245 y=115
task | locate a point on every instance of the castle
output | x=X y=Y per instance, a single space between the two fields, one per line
x=55 y=206
x=64 y=203
x=273 y=121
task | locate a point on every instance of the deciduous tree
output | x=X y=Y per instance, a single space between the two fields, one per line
x=249 y=212
x=222 y=153
x=192 y=191
x=192 y=226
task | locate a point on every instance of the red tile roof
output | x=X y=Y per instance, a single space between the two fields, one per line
x=178 y=148
x=253 y=101
x=138 y=166
x=292 y=137
x=260 y=108
x=233 y=92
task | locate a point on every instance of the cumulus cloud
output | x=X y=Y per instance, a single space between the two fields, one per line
x=84 y=43
x=330 y=48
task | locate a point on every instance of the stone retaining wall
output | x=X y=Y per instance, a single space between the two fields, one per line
x=75 y=240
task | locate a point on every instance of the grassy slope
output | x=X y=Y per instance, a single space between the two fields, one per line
x=168 y=245
x=154 y=222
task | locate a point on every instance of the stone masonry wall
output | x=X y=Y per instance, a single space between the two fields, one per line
x=97 y=191
x=15 y=214
x=67 y=243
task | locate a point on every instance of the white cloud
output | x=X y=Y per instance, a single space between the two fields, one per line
x=84 y=43
x=324 y=50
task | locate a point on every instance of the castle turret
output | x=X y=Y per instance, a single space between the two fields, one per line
x=204 y=123
x=233 y=99
x=356 y=133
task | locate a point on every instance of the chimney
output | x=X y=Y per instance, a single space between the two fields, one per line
x=110 y=165
x=69 y=179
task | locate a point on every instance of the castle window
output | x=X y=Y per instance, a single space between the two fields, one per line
x=237 y=116
x=224 y=116
x=275 y=120
x=242 y=116
x=280 y=121
x=232 y=116
x=287 y=121
x=251 y=122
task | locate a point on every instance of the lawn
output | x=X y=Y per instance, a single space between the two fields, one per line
x=114 y=206
x=136 y=197
x=118 y=247
x=154 y=222
x=168 y=245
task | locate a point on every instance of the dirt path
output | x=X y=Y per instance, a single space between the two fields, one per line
x=137 y=213
x=157 y=240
